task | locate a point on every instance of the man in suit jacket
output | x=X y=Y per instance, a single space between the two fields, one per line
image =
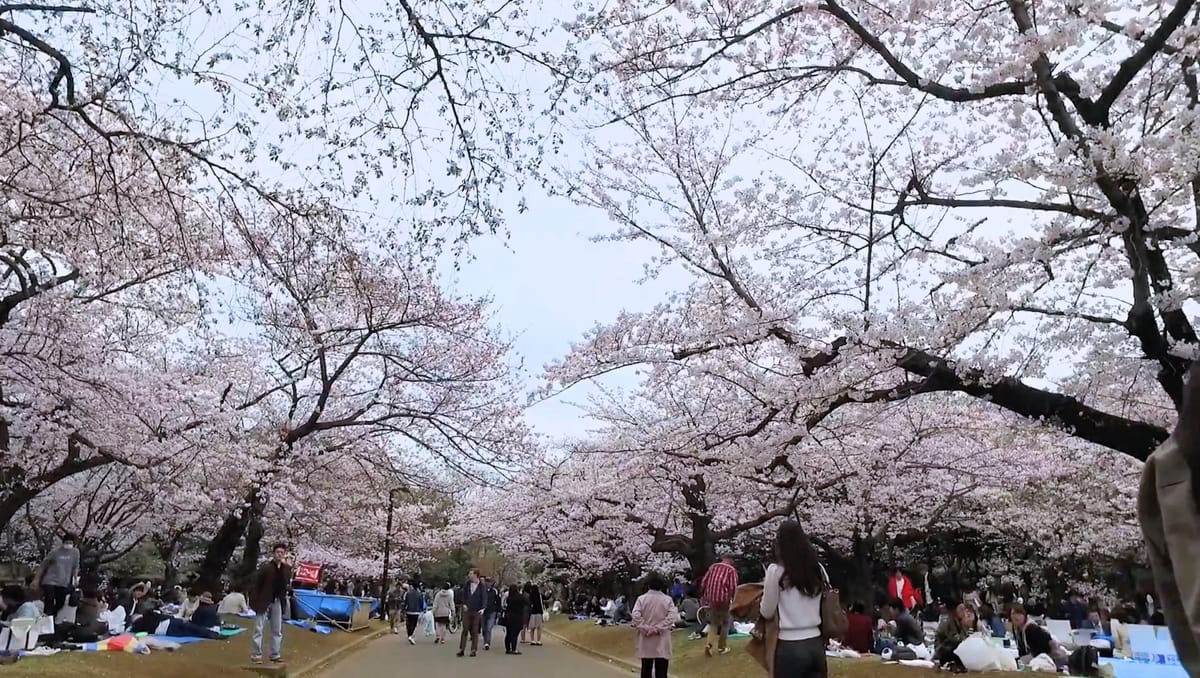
x=1169 y=513
x=474 y=602
x=267 y=598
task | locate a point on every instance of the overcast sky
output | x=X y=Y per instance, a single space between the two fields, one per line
x=550 y=284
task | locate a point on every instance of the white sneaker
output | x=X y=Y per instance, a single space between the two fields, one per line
x=411 y=641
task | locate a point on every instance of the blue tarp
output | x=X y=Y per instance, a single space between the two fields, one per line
x=1124 y=668
x=317 y=605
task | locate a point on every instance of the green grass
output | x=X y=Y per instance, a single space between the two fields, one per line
x=689 y=660
x=207 y=659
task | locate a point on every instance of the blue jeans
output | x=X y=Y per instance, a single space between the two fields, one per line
x=274 y=613
x=489 y=623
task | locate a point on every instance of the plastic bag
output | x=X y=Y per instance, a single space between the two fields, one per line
x=977 y=654
x=427 y=622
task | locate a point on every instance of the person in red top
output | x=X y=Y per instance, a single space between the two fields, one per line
x=900 y=586
x=860 y=631
x=718 y=587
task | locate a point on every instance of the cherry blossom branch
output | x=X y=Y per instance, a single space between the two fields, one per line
x=1134 y=64
x=1135 y=438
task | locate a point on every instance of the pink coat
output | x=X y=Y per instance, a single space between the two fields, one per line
x=654 y=616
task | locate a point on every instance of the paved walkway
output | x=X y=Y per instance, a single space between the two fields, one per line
x=392 y=656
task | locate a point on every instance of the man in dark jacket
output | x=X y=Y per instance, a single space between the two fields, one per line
x=491 y=611
x=414 y=605
x=267 y=598
x=474 y=601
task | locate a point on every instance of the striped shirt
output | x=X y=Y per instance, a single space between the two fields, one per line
x=718 y=585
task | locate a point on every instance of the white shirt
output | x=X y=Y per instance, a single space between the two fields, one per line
x=799 y=615
x=232 y=603
x=115 y=618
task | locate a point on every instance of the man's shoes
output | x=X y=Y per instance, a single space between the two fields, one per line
x=460 y=653
x=487 y=647
x=276 y=660
x=516 y=652
x=411 y=641
x=723 y=650
x=472 y=653
x=256 y=660
x=708 y=650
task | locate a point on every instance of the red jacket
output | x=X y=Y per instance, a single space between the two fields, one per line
x=908 y=595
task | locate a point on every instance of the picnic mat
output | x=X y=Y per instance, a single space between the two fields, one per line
x=310 y=625
x=225 y=633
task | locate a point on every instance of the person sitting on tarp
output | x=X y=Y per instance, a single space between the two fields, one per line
x=234 y=602
x=16 y=605
x=90 y=613
x=206 y=612
x=161 y=624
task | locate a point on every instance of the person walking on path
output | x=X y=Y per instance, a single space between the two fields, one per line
x=536 y=615
x=514 y=619
x=792 y=594
x=491 y=610
x=58 y=575
x=654 y=617
x=443 y=609
x=414 y=605
x=473 y=603
x=718 y=587
x=271 y=584
x=395 y=603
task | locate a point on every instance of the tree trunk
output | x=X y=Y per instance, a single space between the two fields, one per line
x=225 y=542
x=252 y=548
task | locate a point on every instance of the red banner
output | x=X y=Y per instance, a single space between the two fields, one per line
x=308 y=573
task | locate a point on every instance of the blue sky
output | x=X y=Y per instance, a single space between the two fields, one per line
x=550 y=284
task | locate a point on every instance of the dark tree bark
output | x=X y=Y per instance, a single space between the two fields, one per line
x=226 y=541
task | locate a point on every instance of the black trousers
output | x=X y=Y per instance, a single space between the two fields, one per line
x=512 y=634
x=53 y=599
x=410 y=623
x=654 y=668
x=800 y=659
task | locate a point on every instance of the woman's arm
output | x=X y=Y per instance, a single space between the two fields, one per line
x=770 y=598
x=636 y=621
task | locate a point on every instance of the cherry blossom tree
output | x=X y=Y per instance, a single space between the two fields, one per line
x=402 y=102
x=995 y=200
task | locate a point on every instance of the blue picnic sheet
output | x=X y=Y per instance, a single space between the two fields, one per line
x=1127 y=668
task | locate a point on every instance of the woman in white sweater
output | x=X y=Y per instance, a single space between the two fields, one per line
x=792 y=592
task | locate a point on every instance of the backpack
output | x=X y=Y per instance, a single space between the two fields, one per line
x=1084 y=661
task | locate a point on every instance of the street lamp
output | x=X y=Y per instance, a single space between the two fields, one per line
x=387 y=547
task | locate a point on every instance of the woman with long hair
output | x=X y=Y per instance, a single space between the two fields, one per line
x=792 y=594
x=959 y=626
x=514 y=618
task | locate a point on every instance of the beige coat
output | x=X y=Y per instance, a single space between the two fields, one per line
x=1170 y=522
x=654 y=617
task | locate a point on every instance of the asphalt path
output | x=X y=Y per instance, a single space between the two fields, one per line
x=393 y=656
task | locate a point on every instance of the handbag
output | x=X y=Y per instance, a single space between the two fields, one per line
x=833 y=618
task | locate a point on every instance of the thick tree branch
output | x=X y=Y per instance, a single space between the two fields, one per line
x=1134 y=438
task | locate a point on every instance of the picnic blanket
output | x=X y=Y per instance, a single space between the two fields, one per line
x=311 y=626
x=122 y=643
x=225 y=633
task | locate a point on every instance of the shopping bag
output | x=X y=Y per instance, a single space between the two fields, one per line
x=427 y=622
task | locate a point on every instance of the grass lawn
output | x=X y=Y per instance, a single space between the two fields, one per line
x=207 y=659
x=689 y=660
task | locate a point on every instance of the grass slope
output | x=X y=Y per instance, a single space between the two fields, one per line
x=207 y=659
x=689 y=660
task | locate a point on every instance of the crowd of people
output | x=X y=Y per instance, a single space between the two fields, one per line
x=474 y=608
x=902 y=616
x=88 y=609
